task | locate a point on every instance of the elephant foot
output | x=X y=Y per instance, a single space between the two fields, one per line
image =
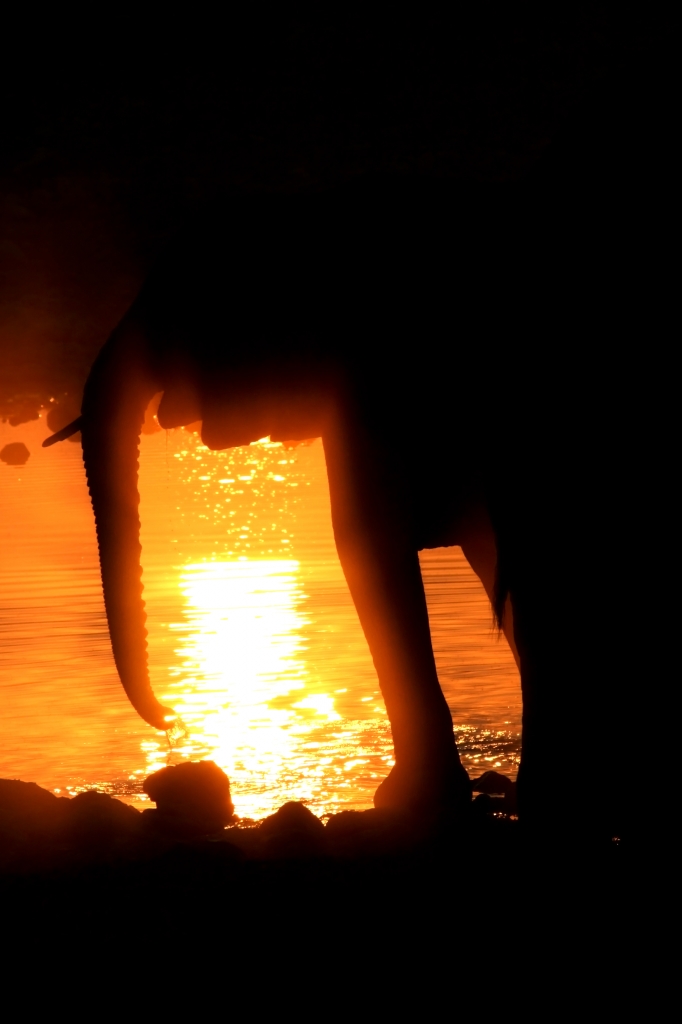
x=433 y=793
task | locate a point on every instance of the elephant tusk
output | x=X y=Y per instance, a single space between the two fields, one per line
x=61 y=435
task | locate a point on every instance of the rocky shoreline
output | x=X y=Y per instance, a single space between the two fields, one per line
x=92 y=880
x=41 y=832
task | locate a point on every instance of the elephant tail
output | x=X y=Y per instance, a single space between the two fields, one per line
x=502 y=584
x=500 y=591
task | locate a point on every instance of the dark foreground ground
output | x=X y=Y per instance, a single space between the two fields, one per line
x=365 y=899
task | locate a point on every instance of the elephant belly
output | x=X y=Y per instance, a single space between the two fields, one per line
x=438 y=520
x=444 y=499
x=248 y=417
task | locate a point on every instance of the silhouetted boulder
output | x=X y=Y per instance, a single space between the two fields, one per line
x=15 y=454
x=292 y=831
x=369 y=833
x=487 y=804
x=192 y=798
x=33 y=822
x=246 y=836
x=102 y=826
x=493 y=785
x=27 y=809
x=40 y=831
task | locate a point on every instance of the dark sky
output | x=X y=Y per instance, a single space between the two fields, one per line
x=115 y=131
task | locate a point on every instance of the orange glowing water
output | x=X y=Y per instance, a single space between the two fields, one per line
x=253 y=637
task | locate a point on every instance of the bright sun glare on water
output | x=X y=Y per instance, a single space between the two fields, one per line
x=245 y=673
x=241 y=651
x=253 y=637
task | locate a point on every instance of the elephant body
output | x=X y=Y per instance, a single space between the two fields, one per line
x=436 y=340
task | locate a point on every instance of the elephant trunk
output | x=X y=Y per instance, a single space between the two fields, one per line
x=117 y=393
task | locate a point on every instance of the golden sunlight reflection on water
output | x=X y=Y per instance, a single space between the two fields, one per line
x=253 y=637
x=243 y=689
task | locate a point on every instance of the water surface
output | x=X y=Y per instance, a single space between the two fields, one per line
x=253 y=637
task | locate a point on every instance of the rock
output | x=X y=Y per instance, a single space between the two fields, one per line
x=102 y=826
x=350 y=823
x=27 y=809
x=193 y=798
x=368 y=833
x=487 y=804
x=291 y=832
x=15 y=454
x=494 y=784
x=33 y=823
x=245 y=835
x=40 y=831
x=292 y=817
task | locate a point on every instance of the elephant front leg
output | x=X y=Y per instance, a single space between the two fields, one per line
x=381 y=565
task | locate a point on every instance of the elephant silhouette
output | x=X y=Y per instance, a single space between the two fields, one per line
x=435 y=338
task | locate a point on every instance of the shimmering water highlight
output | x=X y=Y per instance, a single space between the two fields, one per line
x=253 y=637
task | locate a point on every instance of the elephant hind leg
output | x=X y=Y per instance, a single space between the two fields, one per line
x=381 y=565
x=577 y=752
